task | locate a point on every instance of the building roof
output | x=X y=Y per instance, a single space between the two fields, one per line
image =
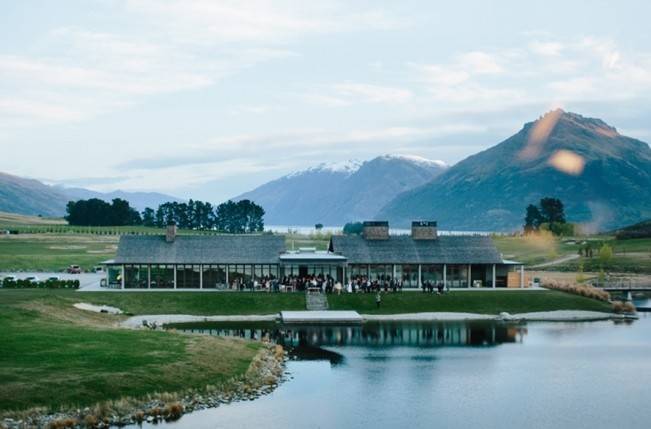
x=198 y=249
x=311 y=256
x=403 y=249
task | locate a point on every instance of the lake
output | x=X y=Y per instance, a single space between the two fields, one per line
x=450 y=375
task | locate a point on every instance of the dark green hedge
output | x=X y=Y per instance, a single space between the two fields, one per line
x=48 y=284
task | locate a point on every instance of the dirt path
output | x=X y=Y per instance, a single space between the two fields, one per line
x=558 y=261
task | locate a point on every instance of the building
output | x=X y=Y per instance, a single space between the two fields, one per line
x=228 y=261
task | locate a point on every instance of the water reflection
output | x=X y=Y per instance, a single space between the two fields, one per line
x=306 y=342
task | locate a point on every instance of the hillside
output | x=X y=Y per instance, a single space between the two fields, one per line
x=333 y=194
x=603 y=177
x=30 y=197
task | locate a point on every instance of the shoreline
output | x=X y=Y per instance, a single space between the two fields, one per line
x=159 y=320
x=263 y=376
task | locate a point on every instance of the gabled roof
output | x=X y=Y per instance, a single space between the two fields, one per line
x=402 y=249
x=197 y=249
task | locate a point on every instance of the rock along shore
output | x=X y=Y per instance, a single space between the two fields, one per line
x=264 y=374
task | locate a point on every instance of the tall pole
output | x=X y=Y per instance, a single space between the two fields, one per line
x=201 y=276
x=148 y=276
x=174 y=275
x=122 y=278
x=494 y=276
x=420 y=276
x=521 y=276
x=445 y=276
x=469 y=275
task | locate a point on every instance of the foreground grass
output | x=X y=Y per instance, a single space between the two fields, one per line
x=53 y=355
x=483 y=302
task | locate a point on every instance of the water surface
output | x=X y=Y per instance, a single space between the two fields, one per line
x=451 y=375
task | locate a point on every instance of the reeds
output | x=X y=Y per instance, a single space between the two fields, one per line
x=576 y=289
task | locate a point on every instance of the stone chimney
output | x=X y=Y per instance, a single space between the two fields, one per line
x=376 y=230
x=170 y=235
x=424 y=230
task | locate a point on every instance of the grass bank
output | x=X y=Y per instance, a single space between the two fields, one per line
x=482 y=302
x=52 y=355
x=197 y=303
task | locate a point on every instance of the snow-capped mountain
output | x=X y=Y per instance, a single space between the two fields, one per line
x=335 y=193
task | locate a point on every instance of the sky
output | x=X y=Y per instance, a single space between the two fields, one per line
x=208 y=99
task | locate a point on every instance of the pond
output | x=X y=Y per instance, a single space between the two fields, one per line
x=450 y=375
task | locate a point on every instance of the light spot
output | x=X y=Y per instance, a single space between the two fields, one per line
x=539 y=134
x=568 y=162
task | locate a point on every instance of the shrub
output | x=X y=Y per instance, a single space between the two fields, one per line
x=623 y=307
x=48 y=284
x=576 y=289
x=173 y=411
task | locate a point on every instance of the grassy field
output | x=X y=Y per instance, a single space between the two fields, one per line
x=54 y=252
x=198 y=303
x=484 y=302
x=54 y=355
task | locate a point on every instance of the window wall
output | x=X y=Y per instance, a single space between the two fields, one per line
x=457 y=276
x=135 y=276
x=162 y=276
x=114 y=276
x=188 y=276
x=355 y=271
x=409 y=275
x=214 y=277
x=381 y=272
x=432 y=273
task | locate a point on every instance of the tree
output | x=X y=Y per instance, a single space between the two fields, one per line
x=548 y=214
x=148 y=217
x=238 y=218
x=552 y=210
x=353 y=228
x=532 y=219
x=318 y=226
x=605 y=254
x=96 y=212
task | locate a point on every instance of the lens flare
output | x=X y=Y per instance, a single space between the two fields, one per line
x=567 y=162
x=539 y=134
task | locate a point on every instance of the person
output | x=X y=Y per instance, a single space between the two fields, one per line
x=440 y=288
x=378 y=299
x=338 y=288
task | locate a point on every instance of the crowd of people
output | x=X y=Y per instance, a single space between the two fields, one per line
x=327 y=284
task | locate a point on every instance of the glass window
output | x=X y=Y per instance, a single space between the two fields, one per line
x=135 y=276
x=162 y=276
x=187 y=276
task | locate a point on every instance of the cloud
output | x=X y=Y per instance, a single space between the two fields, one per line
x=260 y=21
x=346 y=94
x=177 y=46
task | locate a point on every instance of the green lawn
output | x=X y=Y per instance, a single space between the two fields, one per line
x=54 y=252
x=484 y=302
x=197 y=303
x=71 y=358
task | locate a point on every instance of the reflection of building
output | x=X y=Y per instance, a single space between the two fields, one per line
x=230 y=261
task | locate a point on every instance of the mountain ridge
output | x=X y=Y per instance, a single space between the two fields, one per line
x=604 y=178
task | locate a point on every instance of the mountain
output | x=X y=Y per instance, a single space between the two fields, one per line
x=603 y=177
x=138 y=200
x=31 y=197
x=333 y=194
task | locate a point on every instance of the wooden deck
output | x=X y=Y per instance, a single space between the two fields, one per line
x=321 y=317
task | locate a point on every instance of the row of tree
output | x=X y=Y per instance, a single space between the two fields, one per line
x=549 y=214
x=232 y=217
x=96 y=212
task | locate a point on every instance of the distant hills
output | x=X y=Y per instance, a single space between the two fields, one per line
x=31 y=197
x=603 y=177
x=333 y=194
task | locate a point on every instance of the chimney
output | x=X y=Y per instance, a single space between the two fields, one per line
x=376 y=230
x=424 y=230
x=170 y=235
